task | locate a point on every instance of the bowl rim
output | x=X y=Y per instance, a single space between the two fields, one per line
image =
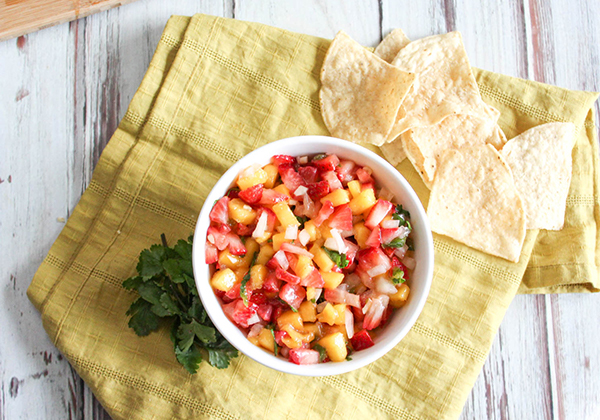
x=212 y=305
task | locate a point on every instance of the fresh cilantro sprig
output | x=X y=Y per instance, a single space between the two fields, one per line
x=319 y=157
x=398 y=275
x=165 y=283
x=322 y=352
x=395 y=243
x=402 y=215
x=339 y=259
x=301 y=220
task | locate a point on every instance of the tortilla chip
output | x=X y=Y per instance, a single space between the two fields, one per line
x=541 y=163
x=444 y=86
x=424 y=145
x=474 y=201
x=393 y=152
x=360 y=93
x=391 y=45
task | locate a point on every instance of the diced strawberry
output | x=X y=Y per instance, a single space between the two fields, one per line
x=389 y=252
x=271 y=283
x=324 y=213
x=234 y=292
x=256 y=296
x=304 y=356
x=328 y=163
x=295 y=249
x=308 y=173
x=287 y=277
x=277 y=311
x=292 y=294
x=388 y=235
x=318 y=189
x=373 y=257
x=218 y=237
x=314 y=279
x=233 y=193
x=243 y=230
x=342 y=296
x=375 y=310
x=211 y=254
x=332 y=180
x=341 y=218
x=364 y=176
x=235 y=245
x=377 y=213
x=253 y=194
x=271 y=218
x=367 y=185
x=244 y=315
x=292 y=260
x=270 y=197
x=361 y=340
x=291 y=179
x=220 y=211
x=265 y=311
x=283 y=159
x=336 y=269
x=386 y=315
x=374 y=239
x=396 y=263
x=345 y=171
x=358 y=314
x=279 y=337
x=351 y=252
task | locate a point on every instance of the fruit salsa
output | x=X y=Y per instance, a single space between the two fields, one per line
x=310 y=256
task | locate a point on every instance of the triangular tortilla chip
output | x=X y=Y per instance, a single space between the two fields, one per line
x=541 y=163
x=360 y=93
x=474 y=201
x=393 y=152
x=444 y=86
x=391 y=45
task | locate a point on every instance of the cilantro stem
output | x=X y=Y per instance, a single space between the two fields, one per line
x=163 y=238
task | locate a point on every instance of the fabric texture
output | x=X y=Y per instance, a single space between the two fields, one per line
x=215 y=90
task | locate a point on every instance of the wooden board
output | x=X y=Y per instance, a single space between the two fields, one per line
x=19 y=17
x=63 y=91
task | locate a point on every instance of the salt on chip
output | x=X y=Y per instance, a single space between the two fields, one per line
x=474 y=201
x=424 y=145
x=541 y=163
x=444 y=83
x=391 y=45
x=360 y=93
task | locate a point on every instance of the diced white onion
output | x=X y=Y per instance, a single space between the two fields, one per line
x=346 y=233
x=405 y=232
x=386 y=194
x=261 y=226
x=300 y=190
x=211 y=238
x=303 y=160
x=383 y=285
x=282 y=259
x=409 y=262
x=390 y=224
x=291 y=232
x=253 y=319
x=401 y=252
x=367 y=306
x=377 y=270
x=342 y=248
x=331 y=244
x=304 y=237
x=255 y=330
x=352 y=280
x=349 y=321
x=292 y=202
x=318 y=292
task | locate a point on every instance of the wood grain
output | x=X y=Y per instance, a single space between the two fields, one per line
x=66 y=88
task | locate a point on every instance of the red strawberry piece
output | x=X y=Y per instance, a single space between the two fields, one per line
x=358 y=314
x=373 y=257
x=377 y=213
x=374 y=239
x=253 y=194
x=361 y=340
x=233 y=193
x=304 y=356
x=291 y=179
x=277 y=311
x=271 y=217
x=364 y=176
x=328 y=163
x=341 y=218
x=346 y=171
x=234 y=292
x=295 y=249
x=220 y=212
x=324 y=213
x=333 y=180
x=235 y=245
x=351 y=252
x=210 y=254
x=341 y=296
x=375 y=312
x=389 y=251
x=292 y=294
x=292 y=260
x=242 y=314
x=278 y=160
x=308 y=173
x=314 y=279
x=270 y=197
x=271 y=283
x=287 y=276
x=386 y=315
x=265 y=311
x=279 y=337
x=368 y=185
x=217 y=237
x=256 y=296
x=396 y=263
x=318 y=189
x=336 y=269
x=388 y=235
x=243 y=230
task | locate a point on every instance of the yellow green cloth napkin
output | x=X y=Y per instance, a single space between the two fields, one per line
x=215 y=90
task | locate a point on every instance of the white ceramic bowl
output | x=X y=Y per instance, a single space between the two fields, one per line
x=401 y=321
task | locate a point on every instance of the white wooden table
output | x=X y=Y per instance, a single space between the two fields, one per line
x=64 y=89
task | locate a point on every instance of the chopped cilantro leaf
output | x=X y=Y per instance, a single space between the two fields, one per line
x=339 y=259
x=410 y=244
x=302 y=220
x=319 y=157
x=275 y=346
x=395 y=243
x=322 y=352
x=402 y=215
x=398 y=276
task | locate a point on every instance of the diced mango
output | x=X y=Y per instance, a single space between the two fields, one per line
x=278 y=239
x=258 y=177
x=290 y=318
x=223 y=280
x=321 y=258
x=258 y=274
x=333 y=314
x=241 y=212
x=399 y=298
x=254 y=340
x=252 y=247
x=272 y=174
x=315 y=328
x=285 y=215
x=265 y=254
x=331 y=329
x=308 y=312
x=263 y=239
x=337 y=197
x=227 y=259
x=282 y=189
x=304 y=266
x=332 y=279
x=266 y=340
x=325 y=231
x=311 y=294
x=361 y=234
x=354 y=187
x=295 y=338
x=312 y=230
x=363 y=201
x=335 y=346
